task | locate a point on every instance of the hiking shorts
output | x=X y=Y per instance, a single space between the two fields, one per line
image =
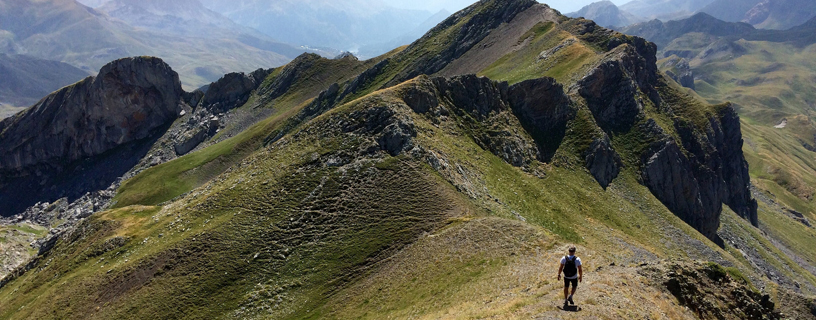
x=573 y=281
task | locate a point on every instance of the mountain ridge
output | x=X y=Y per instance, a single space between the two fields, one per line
x=375 y=188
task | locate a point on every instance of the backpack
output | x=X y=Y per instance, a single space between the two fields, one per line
x=570 y=270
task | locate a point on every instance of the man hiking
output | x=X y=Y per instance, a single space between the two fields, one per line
x=573 y=273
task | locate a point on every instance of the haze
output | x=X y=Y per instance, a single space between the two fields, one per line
x=564 y=6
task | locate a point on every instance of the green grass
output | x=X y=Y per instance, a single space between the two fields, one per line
x=170 y=180
x=525 y=64
x=275 y=231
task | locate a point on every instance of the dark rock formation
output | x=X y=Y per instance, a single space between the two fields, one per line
x=232 y=90
x=713 y=171
x=712 y=293
x=603 y=161
x=543 y=110
x=125 y=102
x=728 y=141
x=479 y=97
x=613 y=89
x=129 y=101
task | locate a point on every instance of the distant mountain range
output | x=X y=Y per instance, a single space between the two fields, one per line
x=66 y=31
x=345 y=25
x=25 y=80
x=607 y=14
x=763 y=14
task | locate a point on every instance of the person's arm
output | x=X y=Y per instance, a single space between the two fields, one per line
x=560 y=268
x=580 y=274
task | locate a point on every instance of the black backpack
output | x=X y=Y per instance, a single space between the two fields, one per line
x=570 y=270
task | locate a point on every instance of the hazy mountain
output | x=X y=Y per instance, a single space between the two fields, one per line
x=663 y=33
x=407 y=38
x=607 y=14
x=664 y=9
x=66 y=31
x=344 y=25
x=766 y=14
x=25 y=80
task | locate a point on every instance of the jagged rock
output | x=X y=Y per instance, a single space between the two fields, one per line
x=543 y=110
x=602 y=161
x=478 y=97
x=798 y=216
x=232 y=90
x=398 y=136
x=668 y=174
x=735 y=167
x=190 y=141
x=127 y=100
x=712 y=293
x=130 y=102
x=612 y=96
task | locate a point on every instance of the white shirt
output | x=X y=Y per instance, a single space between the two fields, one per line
x=577 y=264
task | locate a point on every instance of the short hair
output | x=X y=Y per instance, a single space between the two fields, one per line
x=572 y=249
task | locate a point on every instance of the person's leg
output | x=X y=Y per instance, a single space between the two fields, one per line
x=566 y=288
x=574 y=287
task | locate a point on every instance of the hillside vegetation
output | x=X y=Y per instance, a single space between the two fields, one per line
x=408 y=186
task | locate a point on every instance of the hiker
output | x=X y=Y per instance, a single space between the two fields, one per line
x=573 y=273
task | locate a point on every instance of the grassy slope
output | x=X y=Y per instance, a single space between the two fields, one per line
x=281 y=235
x=268 y=238
x=169 y=180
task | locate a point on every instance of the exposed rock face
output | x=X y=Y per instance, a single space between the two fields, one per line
x=544 y=110
x=612 y=90
x=125 y=102
x=694 y=185
x=728 y=141
x=711 y=292
x=668 y=174
x=130 y=100
x=603 y=162
x=694 y=176
x=233 y=90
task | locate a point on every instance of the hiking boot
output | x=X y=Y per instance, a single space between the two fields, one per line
x=570 y=301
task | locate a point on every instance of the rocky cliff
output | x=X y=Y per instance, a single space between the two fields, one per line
x=128 y=101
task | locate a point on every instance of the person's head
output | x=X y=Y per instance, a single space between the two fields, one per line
x=572 y=250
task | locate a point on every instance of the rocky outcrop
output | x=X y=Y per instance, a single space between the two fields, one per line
x=125 y=102
x=602 y=161
x=711 y=172
x=726 y=135
x=613 y=90
x=543 y=110
x=232 y=90
x=712 y=291
x=668 y=174
x=129 y=101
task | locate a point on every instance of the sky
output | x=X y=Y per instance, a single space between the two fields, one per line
x=565 y=6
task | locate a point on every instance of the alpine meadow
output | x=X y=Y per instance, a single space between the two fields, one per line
x=444 y=179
